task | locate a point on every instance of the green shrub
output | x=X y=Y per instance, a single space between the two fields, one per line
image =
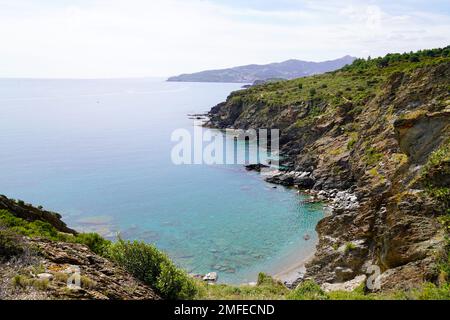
x=31 y=229
x=87 y=282
x=94 y=241
x=140 y=259
x=441 y=194
x=357 y=294
x=40 y=284
x=372 y=156
x=349 y=247
x=10 y=245
x=430 y=291
x=414 y=58
x=174 y=284
x=308 y=290
x=21 y=281
x=267 y=289
x=352 y=142
x=264 y=279
x=147 y=263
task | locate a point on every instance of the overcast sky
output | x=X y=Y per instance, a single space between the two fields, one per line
x=139 y=38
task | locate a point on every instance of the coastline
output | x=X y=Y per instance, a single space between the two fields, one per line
x=294 y=270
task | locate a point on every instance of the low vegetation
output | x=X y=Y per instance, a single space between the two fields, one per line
x=10 y=245
x=421 y=57
x=21 y=281
x=270 y=289
x=266 y=289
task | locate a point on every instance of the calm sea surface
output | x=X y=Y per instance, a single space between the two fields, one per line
x=99 y=152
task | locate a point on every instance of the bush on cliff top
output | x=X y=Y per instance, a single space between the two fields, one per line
x=31 y=229
x=94 y=241
x=393 y=58
x=148 y=264
x=308 y=290
x=10 y=245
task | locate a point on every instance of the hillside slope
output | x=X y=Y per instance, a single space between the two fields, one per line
x=380 y=131
x=248 y=74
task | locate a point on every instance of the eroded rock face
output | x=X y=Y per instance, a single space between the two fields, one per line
x=411 y=230
x=420 y=134
x=408 y=276
x=377 y=156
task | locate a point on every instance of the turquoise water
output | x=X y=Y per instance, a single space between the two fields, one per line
x=99 y=152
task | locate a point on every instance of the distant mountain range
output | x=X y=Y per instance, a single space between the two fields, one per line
x=289 y=69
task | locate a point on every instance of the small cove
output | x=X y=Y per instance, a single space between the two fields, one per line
x=98 y=152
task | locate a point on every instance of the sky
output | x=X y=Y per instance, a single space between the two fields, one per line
x=144 y=38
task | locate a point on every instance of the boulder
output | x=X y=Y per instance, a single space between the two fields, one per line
x=348 y=286
x=304 y=182
x=45 y=276
x=343 y=274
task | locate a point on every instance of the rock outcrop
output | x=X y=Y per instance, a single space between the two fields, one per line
x=67 y=271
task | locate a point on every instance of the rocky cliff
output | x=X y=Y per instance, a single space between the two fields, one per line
x=375 y=135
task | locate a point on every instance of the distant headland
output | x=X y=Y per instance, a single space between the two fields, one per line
x=287 y=70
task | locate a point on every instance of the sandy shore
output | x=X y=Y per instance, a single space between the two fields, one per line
x=294 y=270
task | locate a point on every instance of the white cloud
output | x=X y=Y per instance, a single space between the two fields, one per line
x=164 y=37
